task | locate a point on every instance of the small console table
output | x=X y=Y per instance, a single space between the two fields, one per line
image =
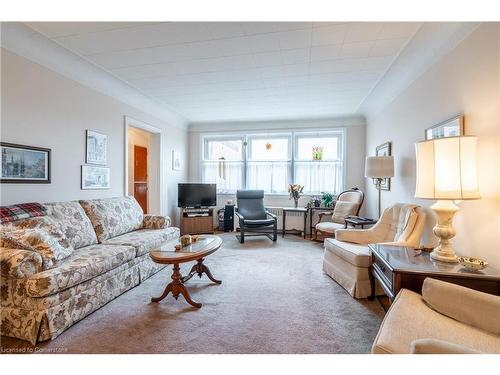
x=302 y=210
x=396 y=267
x=197 y=221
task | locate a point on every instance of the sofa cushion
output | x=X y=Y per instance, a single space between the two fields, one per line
x=145 y=240
x=84 y=264
x=410 y=319
x=70 y=218
x=36 y=240
x=328 y=227
x=113 y=216
x=358 y=255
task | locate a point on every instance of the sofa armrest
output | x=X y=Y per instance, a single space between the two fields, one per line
x=468 y=306
x=18 y=263
x=156 y=222
x=434 y=346
x=359 y=236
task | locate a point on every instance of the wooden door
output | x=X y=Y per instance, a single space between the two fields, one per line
x=141 y=176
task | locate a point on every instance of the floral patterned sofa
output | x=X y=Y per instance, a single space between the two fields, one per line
x=107 y=240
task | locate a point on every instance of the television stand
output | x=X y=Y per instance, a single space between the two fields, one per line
x=197 y=221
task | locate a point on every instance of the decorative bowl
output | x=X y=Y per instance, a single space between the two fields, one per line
x=472 y=264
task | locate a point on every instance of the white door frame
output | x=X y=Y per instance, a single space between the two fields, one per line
x=134 y=123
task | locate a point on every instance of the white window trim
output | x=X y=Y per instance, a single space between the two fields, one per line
x=293 y=137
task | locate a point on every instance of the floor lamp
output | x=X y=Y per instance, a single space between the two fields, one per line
x=379 y=168
x=446 y=171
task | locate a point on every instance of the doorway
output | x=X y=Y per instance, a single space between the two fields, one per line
x=143 y=160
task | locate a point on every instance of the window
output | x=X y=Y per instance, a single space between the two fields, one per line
x=269 y=163
x=319 y=162
x=223 y=163
x=273 y=161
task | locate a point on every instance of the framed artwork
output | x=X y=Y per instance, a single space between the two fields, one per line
x=24 y=164
x=96 y=148
x=94 y=177
x=176 y=160
x=453 y=127
x=384 y=149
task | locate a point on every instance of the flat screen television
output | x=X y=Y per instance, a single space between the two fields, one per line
x=196 y=195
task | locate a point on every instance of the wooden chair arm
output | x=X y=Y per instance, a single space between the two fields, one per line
x=322 y=214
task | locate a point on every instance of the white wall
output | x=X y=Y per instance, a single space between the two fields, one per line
x=355 y=148
x=43 y=108
x=466 y=80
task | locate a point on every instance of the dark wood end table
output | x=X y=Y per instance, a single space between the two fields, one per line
x=397 y=267
x=359 y=221
x=197 y=251
x=302 y=210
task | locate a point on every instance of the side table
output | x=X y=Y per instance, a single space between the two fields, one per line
x=397 y=267
x=302 y=210
x=359 y=221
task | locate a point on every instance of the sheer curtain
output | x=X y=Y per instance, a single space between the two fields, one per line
x=227 y=175
x=318 y=176
x=271 y=176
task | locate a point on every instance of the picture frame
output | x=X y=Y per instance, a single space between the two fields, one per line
x=95 y=177
x=453 y=127
x=96 y=147
x=22 y=164
x=176 y=161
x=385 y=149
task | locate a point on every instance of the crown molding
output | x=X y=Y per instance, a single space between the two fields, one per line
x=431 y=42
x=30 y=44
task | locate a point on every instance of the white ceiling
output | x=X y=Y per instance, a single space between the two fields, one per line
x=241 y=71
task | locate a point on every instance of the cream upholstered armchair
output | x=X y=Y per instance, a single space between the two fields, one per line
x=348 y=203
x=347 y=257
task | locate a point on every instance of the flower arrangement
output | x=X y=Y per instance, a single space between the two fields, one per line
x=317 y=153
x=295 y=191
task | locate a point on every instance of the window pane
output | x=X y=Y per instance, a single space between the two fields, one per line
x=227 y=175
x=328 y=147
x=272 y=177
x=319 y=176
x=269 y=149
x=227 y=149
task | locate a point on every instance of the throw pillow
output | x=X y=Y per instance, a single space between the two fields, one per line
x=36 y=240
x=342 y=210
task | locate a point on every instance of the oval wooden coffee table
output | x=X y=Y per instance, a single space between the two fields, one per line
x=197 y=251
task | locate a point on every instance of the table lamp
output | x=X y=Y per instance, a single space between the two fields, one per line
x=378 y=168
x=446 y=171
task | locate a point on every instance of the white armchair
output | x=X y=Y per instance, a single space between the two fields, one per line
x=347 y=258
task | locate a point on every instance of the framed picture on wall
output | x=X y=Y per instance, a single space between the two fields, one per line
x=94 y=177
x=96 y=148
x=384 y=149
x=453 y=127
x=176 y=160
x=24 y=164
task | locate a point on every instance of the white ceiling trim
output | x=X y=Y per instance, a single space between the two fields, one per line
x=431 y=42
x=32 y=45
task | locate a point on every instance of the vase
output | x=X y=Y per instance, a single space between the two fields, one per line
x=296 y=203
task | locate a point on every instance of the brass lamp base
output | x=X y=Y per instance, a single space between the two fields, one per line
x=445 y=210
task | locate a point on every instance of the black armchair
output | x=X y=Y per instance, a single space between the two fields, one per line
x=253 y=217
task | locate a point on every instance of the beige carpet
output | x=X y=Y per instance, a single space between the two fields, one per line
x=274 y=299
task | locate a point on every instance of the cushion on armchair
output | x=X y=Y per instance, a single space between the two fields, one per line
x=471 y=307
x=113 y=216
x=342 y=210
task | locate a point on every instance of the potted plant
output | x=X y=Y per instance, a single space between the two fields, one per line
x=295 y=191
x=327 y=199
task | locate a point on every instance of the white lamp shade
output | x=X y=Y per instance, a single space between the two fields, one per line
x=379 y=166
x=446 y=168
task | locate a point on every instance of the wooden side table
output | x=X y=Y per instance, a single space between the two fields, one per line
x=302 y=210
x=359 y=221
x=396 y=267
